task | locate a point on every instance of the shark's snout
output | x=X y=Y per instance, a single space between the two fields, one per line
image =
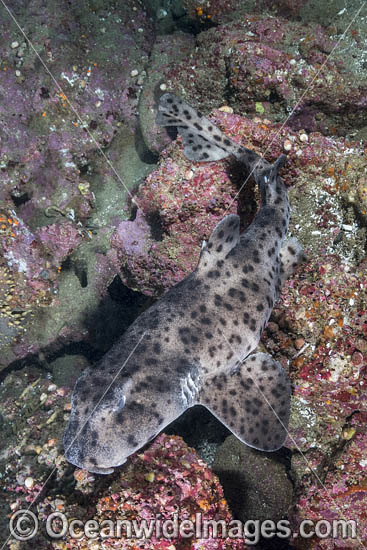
x=74 y=455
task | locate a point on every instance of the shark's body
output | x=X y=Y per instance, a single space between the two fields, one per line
x=193 y=345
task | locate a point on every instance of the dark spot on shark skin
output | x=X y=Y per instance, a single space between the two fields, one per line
x=84 y=395
x=205 y=321
x=151 y=361
x=232 y=411
x=157 y=348
x=162 y=385
x=245 y=283
x=257 y=403
x=136 y=407
x=131 y=440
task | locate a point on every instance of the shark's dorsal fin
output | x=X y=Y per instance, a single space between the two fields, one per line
x=224 y=237
x=253 y=401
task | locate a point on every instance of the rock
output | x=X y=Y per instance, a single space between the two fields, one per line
x=169 y=478
x=255 y=484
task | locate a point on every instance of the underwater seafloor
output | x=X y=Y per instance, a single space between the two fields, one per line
x=100 y=213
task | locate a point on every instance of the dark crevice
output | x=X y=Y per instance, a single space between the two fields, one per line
x=44 y=93
x=20 y=199
x=81 y=271
x=155 y=222
x=274 y=97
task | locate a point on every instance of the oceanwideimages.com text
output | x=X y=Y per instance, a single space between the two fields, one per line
x=24 y=525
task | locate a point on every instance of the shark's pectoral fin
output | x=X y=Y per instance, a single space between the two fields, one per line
x=224 y=237
x=253 y=401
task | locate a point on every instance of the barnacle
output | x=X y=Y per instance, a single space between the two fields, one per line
x=13 y=311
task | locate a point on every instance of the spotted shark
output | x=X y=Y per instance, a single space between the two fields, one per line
x=196 y=344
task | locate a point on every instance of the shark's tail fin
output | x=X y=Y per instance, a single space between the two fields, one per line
x=203 y=140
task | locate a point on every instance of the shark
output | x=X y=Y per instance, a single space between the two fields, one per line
x=197 y=343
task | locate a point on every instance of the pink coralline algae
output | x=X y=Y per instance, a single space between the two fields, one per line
x=327 y=307
x=319 y=329
x=59 y=239
x=166 y=481
x=64 y=96
x=182 y=204
x=341 y=495
x=267 y=74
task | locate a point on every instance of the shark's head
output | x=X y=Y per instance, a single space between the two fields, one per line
x=91 y=439
x=111 y=418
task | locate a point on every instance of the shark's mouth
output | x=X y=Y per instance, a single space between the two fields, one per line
x=95 y=469
x=99 y=470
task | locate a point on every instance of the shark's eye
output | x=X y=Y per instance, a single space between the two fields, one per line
x=120 y=405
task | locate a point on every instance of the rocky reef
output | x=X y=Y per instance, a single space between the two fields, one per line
x=100 y=213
